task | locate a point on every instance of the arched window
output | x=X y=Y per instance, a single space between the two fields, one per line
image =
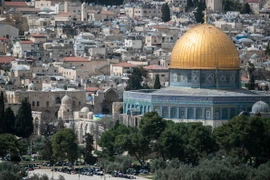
x=190 y=113
x=181 y=113
x=173 y=112
x=57 y=100
x=165 y=112
x=199 y=113
x=217 y=113
x=224 y=113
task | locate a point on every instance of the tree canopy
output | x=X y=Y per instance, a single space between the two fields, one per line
x=2 y=114
x=166 y=15
x=157 y=82
x=199 y=13
x=64 y=145
x=135 y=81
x=24 y=121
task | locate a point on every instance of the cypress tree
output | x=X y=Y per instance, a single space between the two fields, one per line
x=166 y=16
x=10 y=120
x=199 y=13
x=89 y=158
x=157 y=82
x=24 y=121
x=2 y=114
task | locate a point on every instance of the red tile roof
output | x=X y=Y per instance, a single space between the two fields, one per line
x=26 y=42
x=91 y=89
x=3 y=39
x=154 y=67
x=26 y=9
x=107 y=12
x=15 y=4
x=125 y=64
x=75 y=59
x=6 y=59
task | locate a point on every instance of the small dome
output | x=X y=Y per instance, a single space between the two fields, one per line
x=85 y=109
x=90 y=115
x=254 y=56
x=66 y=100
x=260 y=107
x=31 y=86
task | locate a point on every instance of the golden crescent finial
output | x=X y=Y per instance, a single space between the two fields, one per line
x=205 y=16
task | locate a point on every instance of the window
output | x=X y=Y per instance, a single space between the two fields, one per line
x=165 y=113
x=37 y=103
x=208 y=114
x=190 y=113
x=33 y=103
x=47 y=104
x=224 y=113
x=182 y=113
x=173 y=112
x=199 y=113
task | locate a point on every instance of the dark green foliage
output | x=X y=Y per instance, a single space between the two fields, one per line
x=135 y=143
x=157 y=82
x=24 y=121
x=247 y=138
x=47 y=152
x=107 y=139
x=246 y=9
x=267 y=50
x=8 y=145
x=199 y=13
x=10 y=120
x=231 y=5
x=3 y=128
x=89 y=158
x=39 y=177
x=136 y=79
x=166 y=15
x=10 y=171
x=190 y=4
x=251 y=82
x=64 y=145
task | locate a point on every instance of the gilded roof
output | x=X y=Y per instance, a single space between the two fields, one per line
x=204 y=47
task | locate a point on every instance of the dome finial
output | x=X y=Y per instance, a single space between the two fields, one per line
x=205 y=16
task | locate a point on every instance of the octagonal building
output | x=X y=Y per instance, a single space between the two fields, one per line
x=204 y=83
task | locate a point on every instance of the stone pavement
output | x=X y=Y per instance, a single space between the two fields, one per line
x=55 y=175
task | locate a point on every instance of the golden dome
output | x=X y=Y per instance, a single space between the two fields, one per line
x=204 y=47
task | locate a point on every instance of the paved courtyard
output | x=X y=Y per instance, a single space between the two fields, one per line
x=55 y=175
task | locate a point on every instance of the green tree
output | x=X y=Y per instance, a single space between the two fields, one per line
x=267 y=50
x=157 y=82
x=246 y=9
x=136 y=79
x=89 y=158
x=166 y=15
x=10 y=120
x=10 y=171
x=199 y=13
x=64 y=145
x=244 y=137
x=8 y=145
x=47 y=152
x=24 y=121
x=190 y=4
x=152 y=125
x=135 y=143
x=107 y=140
x=3 y=128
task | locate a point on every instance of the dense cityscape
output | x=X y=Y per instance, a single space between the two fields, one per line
x=134 y=89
